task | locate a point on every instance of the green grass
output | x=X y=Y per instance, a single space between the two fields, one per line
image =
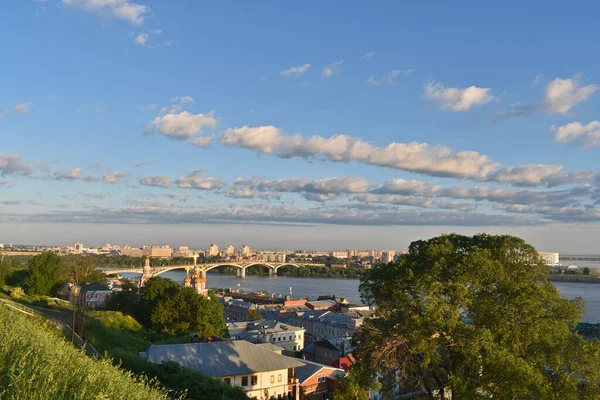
x=37 y=363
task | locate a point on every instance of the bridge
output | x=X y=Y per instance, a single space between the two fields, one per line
x=147 y=271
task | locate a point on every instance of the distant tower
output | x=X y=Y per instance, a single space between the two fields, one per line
x=147 y=271
x=78 y=248
x=187 y=282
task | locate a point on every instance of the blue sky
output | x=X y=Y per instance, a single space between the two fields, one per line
x=289 y=125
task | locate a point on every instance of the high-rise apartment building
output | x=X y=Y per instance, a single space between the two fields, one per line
x=78 y=248
x=388 y=256
x=212 y=251
x=245 y=252
x=229 y=250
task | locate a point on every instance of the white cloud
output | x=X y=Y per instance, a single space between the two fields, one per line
x=14 y=165
x=75 y=174
x=295 y=72
x=201 y=141
x=415 y=157
x=156 y=180
x=147 y=108
x=333 y=68
x=577 y=133
x=116 y=177
x=170 y=43
x=194 y=180
x=537 y=174
x=389 y=78
x=22 y=108
x=121 y=9
x=183 y=125
x=407 y=188
x=457 y=99
x=561 y=95
x=368 y=55
x=141 y=39
x=536 y=81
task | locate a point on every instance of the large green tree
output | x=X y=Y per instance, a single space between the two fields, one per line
x=82 y=270
x=474 y=318
x=45 y=274
x=167 y=307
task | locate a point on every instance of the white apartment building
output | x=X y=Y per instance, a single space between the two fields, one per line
x=78 y=248
x=239 y=363
x=289 y=337
x=212 y=251
x=549 y=258
x=245 y=251
x=339 y=254
x=229 y=250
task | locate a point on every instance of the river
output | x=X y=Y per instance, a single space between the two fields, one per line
x=348 y=288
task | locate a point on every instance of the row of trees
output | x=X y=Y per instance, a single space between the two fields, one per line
x=47 y=272
x=471 y=318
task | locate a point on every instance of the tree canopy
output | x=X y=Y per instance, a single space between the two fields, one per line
x=170 y=308
x=474 y=318
x=45 y=274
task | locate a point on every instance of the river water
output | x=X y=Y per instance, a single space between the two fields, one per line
x=313 y=287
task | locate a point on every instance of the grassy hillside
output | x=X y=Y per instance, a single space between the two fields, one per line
x=37 y=363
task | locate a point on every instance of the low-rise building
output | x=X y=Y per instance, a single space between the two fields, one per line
x=96 y=295
x=237 y=309
x=290 y=338
x=158 y=251
x=327 y=351
x=259 y=371
x=325 y=324
x=131 y=251
x=318 y=381
x=322 y=305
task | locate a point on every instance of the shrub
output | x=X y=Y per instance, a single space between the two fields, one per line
x=17 y=293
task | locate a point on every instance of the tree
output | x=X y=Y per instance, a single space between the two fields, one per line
x=81 y=270
x=253 y=315
x=187 y=311
x=473 y=318
x=155 y=290
x=45 y=274
x=586 y=271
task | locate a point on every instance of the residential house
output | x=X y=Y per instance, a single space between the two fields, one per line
x=260 y=372
x=318 y=381
x=96 y=295
x=327 y=351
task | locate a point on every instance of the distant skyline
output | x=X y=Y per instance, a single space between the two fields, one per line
x=319 y=127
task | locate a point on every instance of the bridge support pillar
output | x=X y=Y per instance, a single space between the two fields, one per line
x=241 y=272
x=272 y=273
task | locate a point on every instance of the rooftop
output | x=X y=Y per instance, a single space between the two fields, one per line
x=221 y=358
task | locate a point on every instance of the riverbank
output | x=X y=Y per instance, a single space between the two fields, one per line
x=574 y=278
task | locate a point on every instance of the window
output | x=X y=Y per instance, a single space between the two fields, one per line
x=244 y=381
x=321 y=378
x=272 y=378
x=227 y=381
x=279 y=378
x=254 y=380
x=279 y=339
